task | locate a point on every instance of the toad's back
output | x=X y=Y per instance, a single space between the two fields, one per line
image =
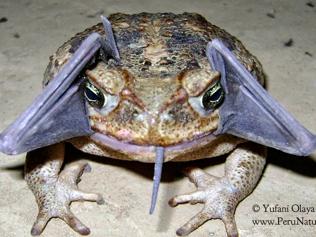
x=161 y=44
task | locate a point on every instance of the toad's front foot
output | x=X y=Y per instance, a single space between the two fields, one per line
x=221 y=195
x=219 y=201
x=54 y=191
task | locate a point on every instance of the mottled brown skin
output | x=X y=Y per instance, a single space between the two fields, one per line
x=163 y=65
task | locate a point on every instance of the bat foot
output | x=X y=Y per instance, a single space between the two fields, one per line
x=218 y=197
x=55 y=195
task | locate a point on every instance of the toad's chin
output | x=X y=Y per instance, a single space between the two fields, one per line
x=126 y=147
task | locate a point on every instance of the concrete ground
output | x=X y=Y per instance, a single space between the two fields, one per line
x=35 y=29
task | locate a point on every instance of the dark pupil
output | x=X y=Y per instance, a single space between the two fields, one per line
x=213 y=97
x=216 y=95
x=93 y=95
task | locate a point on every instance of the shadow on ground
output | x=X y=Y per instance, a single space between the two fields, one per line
x=305 y=166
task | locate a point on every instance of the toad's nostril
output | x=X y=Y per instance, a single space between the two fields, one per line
x=145 y=118
x=166 y=117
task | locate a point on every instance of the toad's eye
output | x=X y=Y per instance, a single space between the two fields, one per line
x=94 y=96
x=213 y=97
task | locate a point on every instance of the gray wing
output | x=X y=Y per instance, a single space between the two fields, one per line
x=59 y=112
x=250 y=112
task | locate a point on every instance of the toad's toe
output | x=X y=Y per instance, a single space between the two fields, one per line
x=221 y=195
x=55 y=194
x=219 y=202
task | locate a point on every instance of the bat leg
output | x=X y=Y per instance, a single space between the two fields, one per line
x=54 y=189
x=221 y=195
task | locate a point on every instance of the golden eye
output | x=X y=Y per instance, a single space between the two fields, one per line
x=94 y=95
x=213 y=97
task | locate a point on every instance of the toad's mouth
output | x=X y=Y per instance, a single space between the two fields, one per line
x=159 y=152
x=127 y=147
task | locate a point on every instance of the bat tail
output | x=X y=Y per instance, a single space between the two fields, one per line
x=157 y=177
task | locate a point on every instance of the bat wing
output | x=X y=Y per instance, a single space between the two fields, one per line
x=249 y=112
x=59 y=112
